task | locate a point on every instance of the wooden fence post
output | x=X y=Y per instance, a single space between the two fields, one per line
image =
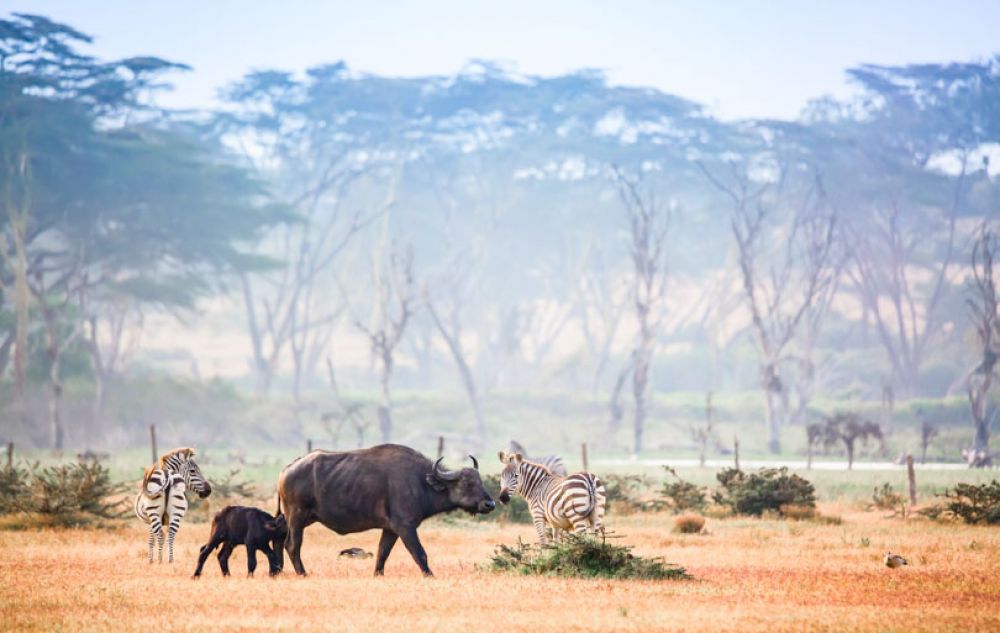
x=440 y=446
x=152 y=442
x=309 y=446
x=912 y=476
x=736 y=451
x=583 y=454
x=10 y=454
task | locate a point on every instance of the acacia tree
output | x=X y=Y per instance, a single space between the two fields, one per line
x=784 y=237
x=648 y=221
x=984 y=312
x=393 y=296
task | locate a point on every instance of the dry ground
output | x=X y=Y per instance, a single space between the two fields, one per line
x=750 y=575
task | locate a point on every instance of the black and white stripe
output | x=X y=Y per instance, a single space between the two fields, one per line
x=162 y=500
x=574 y=502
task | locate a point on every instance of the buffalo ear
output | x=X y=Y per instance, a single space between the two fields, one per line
x=270 y=526
x=435 y=483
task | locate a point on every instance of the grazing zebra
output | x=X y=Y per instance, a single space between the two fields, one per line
x=573 y=502
x=162 y=496
x=552 y=462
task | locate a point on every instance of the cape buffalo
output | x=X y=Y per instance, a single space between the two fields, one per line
x=387 y=487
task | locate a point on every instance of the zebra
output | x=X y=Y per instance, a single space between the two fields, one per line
x=563 y=502
x=552 y=462
x=162 y=496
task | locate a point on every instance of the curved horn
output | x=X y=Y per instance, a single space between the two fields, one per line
x=442 y=474
x=475 y=462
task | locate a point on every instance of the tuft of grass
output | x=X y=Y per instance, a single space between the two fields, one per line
x=689 y=523
x=582 y=557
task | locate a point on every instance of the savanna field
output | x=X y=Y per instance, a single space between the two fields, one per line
x=748 y=575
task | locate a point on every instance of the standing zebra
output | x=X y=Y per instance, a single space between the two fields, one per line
x=162 y=497
x=572 y=502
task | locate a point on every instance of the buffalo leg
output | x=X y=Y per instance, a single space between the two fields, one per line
x=412 y=543
x=293 y=544
x=385 y=545
x=224 y=553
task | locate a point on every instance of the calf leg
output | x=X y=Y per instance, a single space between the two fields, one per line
x=251 y=560
x=205 y=552
x=224 y=553
x=416 y=549
x=385 y=545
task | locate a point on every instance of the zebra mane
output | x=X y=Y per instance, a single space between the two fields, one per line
x=545 y=469
x=187 y=452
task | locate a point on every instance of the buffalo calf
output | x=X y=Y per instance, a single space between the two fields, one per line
x=252 y=527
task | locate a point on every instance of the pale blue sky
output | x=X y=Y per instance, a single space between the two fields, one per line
x=742 y=59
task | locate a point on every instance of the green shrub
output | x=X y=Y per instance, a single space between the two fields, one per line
x=975 y=504
x=72 y=489
x=15 y=491
x=766 y=490
x=582 y=557
x=624 y=494
x=682 y=496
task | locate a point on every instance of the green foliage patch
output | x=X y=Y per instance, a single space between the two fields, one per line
x=582 y=557
x=767 y=490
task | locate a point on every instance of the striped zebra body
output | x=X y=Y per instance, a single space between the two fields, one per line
x=575 y=502
x=162 y=497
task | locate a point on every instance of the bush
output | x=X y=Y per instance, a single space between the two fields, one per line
x=582 y=557
x=70 y=489
x=975 y=504
x=689 y=523
x=885 y=498
x=624 y=494
x=768 y=489
x=15 y=492
x=681 y=496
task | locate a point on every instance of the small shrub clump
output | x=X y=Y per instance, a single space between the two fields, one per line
x=975 y=504
x=682 y=496
x=885 y=498
x=582 y=557
x=768 y=490
x=689 y=523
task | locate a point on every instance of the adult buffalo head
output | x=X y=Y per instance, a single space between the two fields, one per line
x=464 y=487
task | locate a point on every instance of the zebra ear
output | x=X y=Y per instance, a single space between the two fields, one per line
x=518 y=458
x=502 y=456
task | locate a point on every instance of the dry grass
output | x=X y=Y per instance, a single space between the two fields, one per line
x=749 y=575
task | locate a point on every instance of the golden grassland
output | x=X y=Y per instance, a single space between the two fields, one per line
x=749 y=575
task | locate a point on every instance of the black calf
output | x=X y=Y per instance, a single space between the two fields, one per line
x=252 y=527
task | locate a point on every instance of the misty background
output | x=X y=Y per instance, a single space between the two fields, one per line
x=631 y=226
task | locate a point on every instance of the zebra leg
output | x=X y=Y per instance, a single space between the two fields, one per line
x=542 y=530
x=159 y=542
x=175 y=524
x=152 y=538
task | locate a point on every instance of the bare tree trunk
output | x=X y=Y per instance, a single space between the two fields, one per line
x=615 y=409
x=640 y=382
x=385 y=404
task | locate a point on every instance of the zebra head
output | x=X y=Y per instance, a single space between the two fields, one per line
x=509 y=474
x=194 y=478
